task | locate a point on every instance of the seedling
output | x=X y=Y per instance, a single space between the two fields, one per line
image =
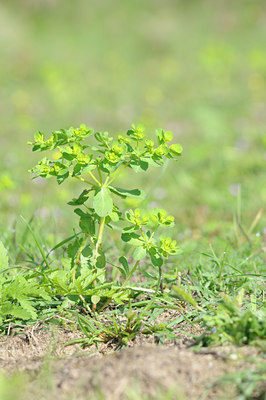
x=98 y=166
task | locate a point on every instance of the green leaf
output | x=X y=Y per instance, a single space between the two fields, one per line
x=95 y=299
x=176 y=150
x=168 y=136
x=132 y=238
x=83 y=197
x=185 y=296
x=152 y=162
x=26 y=305
x=80 y=169
x=140 y=165
x=139 y=253
x=128 y=193
x=114 y=216
x=156 y=259
x=63 y=176
x=164 y=137
x=72 y=248
x=102 y=202
x=3 y=256
x=124 y=262
x=86 y=223
x=103 y=138
x=87 y=251
x=101 y=261
x=16 y=311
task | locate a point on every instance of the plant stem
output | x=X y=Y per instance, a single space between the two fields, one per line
x=161 y=279
x=94 y=178
x=86 y=304
x=81 y=248
x=37 y=242
x=154 y=232
x=118 y=172
x=155 y=183
x=100 y=174
x=98 y=243
x=96 y=252
x=100 y=236
x=122 y=287
x=79 y=254
x=143 y=234
x=152 y=300
x=129 y=275
x=83 y=180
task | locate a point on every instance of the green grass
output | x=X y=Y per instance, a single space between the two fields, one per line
x=197 y=68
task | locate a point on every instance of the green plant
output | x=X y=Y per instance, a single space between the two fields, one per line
x=232 y=321
x=98 y=166
x=249 y=383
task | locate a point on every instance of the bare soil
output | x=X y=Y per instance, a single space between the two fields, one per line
x=68 y=372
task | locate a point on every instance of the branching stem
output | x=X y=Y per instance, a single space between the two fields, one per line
x=94 y=178
x=154 y=232
x=118 y=172
x=100 y=174
x=83 y=180
x=143 y=234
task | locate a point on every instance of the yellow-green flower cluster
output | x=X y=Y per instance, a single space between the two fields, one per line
x=136 y=133
x=136 y=217
x=168 y=246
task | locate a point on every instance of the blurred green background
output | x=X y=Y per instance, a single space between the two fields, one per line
x=196 y=67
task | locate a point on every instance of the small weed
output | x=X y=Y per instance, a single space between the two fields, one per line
x=98 y=166
x=234 y=322
x=249 y=384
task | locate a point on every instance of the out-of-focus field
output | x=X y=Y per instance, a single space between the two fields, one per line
x=195 y=67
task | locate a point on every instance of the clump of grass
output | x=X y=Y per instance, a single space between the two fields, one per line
x=233 y=322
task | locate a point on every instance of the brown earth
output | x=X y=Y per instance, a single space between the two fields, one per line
x=142 y=369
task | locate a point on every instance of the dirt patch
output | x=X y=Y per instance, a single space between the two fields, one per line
x=151 y=368
x=144 y=367
x=30 y=347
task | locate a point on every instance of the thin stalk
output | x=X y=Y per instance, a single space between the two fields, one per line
x=83 y=180
x=94 y=178
x=129 y=275
x=100 y=237
x=96 y=252
x=255 y=221
x=161 y=279
x=220 y=265
x=154 y=232
x=243 y=231
x=117 y=173
x=122 y=287
x=143 y=234
x=98 y=243
x=100 y=174
x=155 y=183
x=37 y=242
x=150 y=304
x=105 y=305
x=86 y=304
x=79 y=254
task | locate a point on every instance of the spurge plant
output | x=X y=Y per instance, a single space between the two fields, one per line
x=98 y=165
